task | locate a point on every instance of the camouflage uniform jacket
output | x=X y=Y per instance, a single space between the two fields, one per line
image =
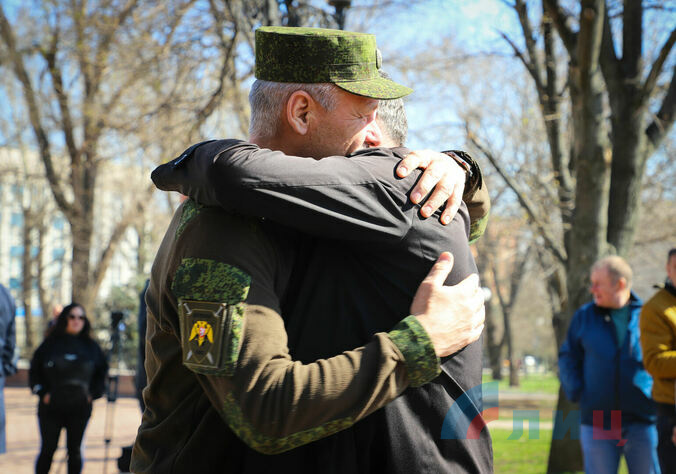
x=218 y=366
x=369 y=251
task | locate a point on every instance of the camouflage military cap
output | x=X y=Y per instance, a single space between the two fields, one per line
x=310 y=55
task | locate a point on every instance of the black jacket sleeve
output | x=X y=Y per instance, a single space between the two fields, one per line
x=97 y=385
x=36 y=378
x=7 y=333
x=331 y=197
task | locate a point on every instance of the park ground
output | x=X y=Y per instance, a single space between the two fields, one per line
x=23 y=435
x=118 y=422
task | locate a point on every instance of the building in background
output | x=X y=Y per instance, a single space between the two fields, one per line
x=30 y=222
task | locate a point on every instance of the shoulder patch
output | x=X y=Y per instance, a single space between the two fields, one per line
x=190 y=210
x=211 y=298
x=209 y=280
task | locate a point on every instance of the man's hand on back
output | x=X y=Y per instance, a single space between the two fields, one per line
x=441 y=173
x=453 y=316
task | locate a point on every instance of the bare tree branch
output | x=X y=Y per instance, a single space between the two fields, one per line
x=632 y=38
x=529 y=38
x=562 y=21
x=610 y=65
x=62 y=98
x=228 y=46
x=133 y=211
x=656 y=68
x=523 y=198
x=589 y=38
x=664 y=119
x=530 y=67
x=106 y=41
x=34 y=113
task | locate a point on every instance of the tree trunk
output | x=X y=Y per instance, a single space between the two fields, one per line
x=493 y=344
x=565 y=451
x=82 y=236
x=628 y=168
x=27 y=280
x=592 y=157
x=40 y=275
x=513 y=366
x=494 y=347
x=608 y=180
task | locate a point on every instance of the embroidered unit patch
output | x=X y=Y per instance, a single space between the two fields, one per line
x=190 y=210
x=202 y=330
x=211 y=298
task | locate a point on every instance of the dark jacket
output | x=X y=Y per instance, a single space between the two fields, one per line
x=355 y=277
x=601 y=375
x=7 y=333
x=69 y=368
x=207 y=395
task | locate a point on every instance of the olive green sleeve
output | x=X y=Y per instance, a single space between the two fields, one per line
x=478 y=206
x=412 y=340
x=274 y=403
x=233 y=339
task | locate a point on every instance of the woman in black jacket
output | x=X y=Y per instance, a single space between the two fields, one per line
x=67 y=372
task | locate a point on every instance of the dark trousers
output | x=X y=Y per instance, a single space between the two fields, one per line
x=666 y=450
x=51 y=422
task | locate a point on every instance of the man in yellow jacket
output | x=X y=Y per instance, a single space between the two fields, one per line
x=658 y=338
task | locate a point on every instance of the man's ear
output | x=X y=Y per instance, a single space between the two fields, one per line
x=622 y=283
x=298 y=108
x=374 y=135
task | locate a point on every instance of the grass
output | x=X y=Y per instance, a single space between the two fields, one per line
x=525 y=456
x=522 y=456
x=531 y=383
x=544 y=413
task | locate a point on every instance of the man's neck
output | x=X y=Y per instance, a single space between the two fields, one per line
x=277 y=143
x=625 y=299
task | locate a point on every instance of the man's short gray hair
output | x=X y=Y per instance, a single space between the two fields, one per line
x=617 y=268
x=392 y=118
x=267 y=100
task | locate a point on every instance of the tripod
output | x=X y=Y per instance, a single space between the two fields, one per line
x=114 y=358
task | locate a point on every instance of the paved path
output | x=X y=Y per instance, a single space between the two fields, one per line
x=23 y=436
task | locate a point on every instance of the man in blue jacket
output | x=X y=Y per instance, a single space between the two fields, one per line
x=7 y=344
x=601 y=367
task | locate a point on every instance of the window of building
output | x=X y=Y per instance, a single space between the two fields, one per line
x=17 y=219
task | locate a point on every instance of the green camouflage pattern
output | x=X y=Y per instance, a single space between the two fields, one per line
x=312 y=55
x=190 y=210
x=477 y=228
x=378 y=88
x=412 y=340
x=208 y=280
x=271 y=445
x=236 y=329
x=213 y=284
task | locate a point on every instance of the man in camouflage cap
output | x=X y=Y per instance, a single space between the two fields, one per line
x=311 y=55
x=269 y=401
